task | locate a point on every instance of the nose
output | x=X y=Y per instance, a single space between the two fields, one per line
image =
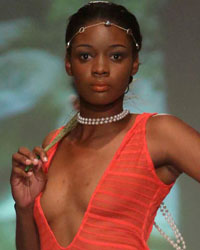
x=100 y=66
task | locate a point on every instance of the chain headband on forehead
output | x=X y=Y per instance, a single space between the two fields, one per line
x=107 y=24
x=98 y=2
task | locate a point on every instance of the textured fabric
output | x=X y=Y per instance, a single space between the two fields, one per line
x=121 y=211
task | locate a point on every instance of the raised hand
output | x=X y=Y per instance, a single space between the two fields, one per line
x=27 y=185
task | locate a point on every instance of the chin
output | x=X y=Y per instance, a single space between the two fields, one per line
x=102 y=100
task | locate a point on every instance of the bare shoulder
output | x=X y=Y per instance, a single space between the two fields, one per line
x=175 y=143
x=165 y=121
x=167 y=125
x=48 y=138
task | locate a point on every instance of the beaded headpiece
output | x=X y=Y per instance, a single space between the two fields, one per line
x=107 y=24
x=98 y=2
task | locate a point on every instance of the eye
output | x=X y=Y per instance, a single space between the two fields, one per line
x=85 y=56
x=116 y=56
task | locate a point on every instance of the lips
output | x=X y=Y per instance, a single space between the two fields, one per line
x=100 y=87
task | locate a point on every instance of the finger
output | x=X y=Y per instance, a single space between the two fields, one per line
x=31 y=166
x=20 y=173
x=39 y=151
x=19 y=159
x=39 y=173
x=22 y=162
x=38 y=168
x=30 y=155
x=26 y=152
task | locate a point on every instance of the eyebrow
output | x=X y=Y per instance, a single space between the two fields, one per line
x=83 y=45
x=111 y=46
x=118 y=45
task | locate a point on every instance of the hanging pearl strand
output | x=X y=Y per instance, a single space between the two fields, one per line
x=168 y=217
x=102 y=120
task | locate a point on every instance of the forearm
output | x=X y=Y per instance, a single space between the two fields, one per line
x=27 y=237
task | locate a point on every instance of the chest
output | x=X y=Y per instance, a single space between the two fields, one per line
x=73 y=176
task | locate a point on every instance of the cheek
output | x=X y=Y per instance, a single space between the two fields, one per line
x=80 y=73
x=81 y=83
x=121 y=75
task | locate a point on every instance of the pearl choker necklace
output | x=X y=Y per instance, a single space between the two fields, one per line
x=103 y=120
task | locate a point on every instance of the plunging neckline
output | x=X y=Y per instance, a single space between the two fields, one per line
x=98 y=186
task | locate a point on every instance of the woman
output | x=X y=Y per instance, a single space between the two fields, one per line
x=100 y=185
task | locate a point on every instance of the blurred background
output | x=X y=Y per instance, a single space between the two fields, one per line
x=35 y=90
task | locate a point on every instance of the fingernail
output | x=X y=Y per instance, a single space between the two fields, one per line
x=45 y=159
x=28 y=161
x=35 y=161
x=29 y=173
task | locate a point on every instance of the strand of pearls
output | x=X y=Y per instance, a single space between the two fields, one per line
x=179 y=243
x=103 y=120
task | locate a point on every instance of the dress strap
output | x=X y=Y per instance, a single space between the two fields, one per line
x=63 y=131
x=58 y=135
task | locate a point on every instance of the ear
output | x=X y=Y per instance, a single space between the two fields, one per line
x=135 y=65
x=68 y=65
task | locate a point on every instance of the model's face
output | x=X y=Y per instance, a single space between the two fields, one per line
x=101 y=63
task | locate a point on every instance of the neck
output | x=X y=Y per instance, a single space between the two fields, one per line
x=84 y=132
x=102 y=120
x=96 y=111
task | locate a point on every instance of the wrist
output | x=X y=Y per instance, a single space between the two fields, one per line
x=24 y=210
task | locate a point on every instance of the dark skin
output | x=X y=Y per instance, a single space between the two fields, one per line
x=101 y=69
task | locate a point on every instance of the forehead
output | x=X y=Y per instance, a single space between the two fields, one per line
x=102 y=35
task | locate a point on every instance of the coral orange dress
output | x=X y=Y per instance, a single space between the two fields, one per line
x=121 y=211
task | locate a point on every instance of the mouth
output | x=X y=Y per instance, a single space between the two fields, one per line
x=100 y=87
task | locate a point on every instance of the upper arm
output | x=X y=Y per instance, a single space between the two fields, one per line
x=177 y=144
